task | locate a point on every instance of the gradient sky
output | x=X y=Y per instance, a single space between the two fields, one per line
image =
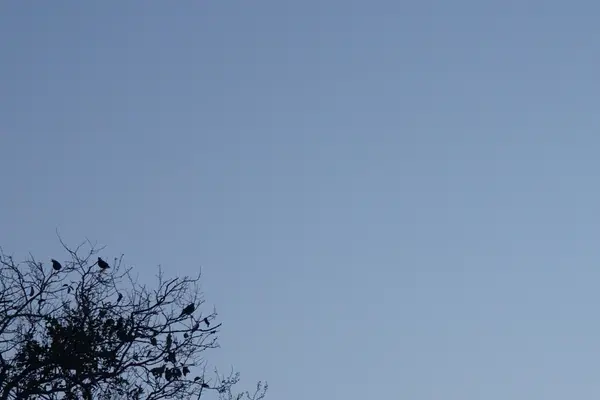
x=389 y=200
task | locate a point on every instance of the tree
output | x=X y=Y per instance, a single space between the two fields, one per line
x=81 y=332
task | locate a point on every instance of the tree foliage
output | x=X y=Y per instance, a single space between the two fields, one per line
x=73 y=330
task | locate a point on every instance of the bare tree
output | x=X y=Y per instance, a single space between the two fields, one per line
x=85 y=331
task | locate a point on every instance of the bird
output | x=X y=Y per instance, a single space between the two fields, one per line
x=206 y=321
x=188 y=310
x=55 y=264
x=119 y=297
x=31 y=291
x=102 y=264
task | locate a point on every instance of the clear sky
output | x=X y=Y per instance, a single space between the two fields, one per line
x=389 y=200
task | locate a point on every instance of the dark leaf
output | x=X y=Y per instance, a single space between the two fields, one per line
x=158 y=371
x=176 y=373
x=171 y=357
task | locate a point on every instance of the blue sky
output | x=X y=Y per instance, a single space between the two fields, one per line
x=388 y=199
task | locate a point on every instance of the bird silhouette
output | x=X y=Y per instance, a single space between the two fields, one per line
x=188 y=310
x=102 y=264
x=206 y=321
x=55 y=264
x=119 y=297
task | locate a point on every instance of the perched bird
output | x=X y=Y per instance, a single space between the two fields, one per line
x=31 y=291
x=55 y=264
x=102 y=264
x=188 y=310
x=119 y=297
x=206 y=321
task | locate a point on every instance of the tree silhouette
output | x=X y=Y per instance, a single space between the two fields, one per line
x=70 y=333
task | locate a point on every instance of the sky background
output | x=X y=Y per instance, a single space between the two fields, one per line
x=388 y=200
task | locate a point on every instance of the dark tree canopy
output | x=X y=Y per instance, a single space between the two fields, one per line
x=83 y=332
